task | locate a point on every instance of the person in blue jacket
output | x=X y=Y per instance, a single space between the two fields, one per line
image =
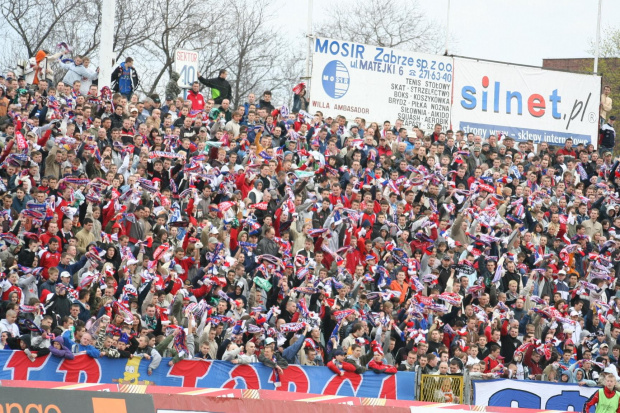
x=84 y=346
x=125 y=78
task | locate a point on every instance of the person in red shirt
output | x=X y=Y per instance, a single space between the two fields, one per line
x=531 y=359
x=353 y=257
x=9 y=286
x=50 y=258
x=568 y=150
x=376 y=364
x=338 y=365
x=475 y=177
x=436 y=133
x=337 y=196
x=185 y=262
x=492 y=361
x=52 y=231
x=194 y=96
x=384 y=147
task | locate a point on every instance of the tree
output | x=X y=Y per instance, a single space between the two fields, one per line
x=181 y=24
x=234 y=34
x=251 y=49
x=609 y=64
x=386 y=23
x=610 y=44
x=36 y=22
x=136 y=22
x=83 y=37
x=41 y=24
x=254 y=56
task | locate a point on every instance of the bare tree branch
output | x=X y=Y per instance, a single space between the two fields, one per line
x=394 y=23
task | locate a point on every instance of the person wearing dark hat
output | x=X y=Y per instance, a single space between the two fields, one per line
x=25 y=343
x=596 y=344
x=28 y=253
x=338 y=365
x=166 y=108
x=608 y=136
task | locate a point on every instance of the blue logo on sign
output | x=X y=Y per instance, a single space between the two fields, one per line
x=335 y=79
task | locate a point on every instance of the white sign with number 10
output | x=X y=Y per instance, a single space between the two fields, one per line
x=186 y=65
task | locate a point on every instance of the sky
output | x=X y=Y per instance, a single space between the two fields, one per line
x=514 y=31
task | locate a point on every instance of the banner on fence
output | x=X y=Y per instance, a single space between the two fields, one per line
x=379 y=83
x=56 y=401
x=531 y=394
x=525 y=102
x=197 y=373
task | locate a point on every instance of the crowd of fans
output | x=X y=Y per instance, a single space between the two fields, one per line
x=192 y=228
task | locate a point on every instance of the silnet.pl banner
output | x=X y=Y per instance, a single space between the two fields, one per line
x=531 y=394
x=379 y=83
x=525 y=102
x=213 y=374
x=485 y=98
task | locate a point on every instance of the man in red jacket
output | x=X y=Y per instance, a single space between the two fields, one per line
x=194 y=96
x=568 y=150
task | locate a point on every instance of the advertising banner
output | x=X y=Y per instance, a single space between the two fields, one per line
x=531 y=394
x=525 y=103
x=214 y=374
x=379 y=83
x=55 y=401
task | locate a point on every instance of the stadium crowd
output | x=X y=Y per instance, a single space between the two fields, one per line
x=192 y=228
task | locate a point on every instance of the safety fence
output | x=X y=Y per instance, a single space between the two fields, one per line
x=441 y=388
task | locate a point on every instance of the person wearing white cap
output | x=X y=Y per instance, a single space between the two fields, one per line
x=576 y=327
x=561 y=286
x=65 y=278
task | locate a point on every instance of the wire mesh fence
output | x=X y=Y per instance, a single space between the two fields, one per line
x=441 y=389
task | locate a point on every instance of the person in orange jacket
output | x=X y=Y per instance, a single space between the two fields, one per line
x=400 y=285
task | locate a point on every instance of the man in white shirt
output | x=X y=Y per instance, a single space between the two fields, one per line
x=9 y=325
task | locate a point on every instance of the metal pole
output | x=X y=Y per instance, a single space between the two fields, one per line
x=309 y=36
x=106 y=45
x=447 y=29
x=598 y=36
